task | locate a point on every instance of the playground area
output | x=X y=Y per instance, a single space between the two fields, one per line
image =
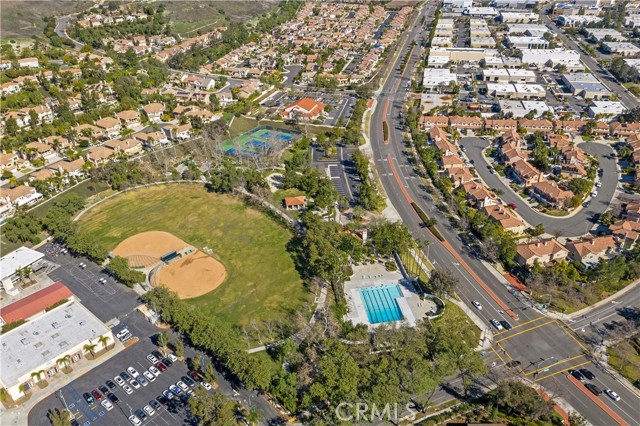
x=263 y=139
x=173 y=263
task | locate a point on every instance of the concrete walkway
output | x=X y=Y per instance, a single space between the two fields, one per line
x=18 y=416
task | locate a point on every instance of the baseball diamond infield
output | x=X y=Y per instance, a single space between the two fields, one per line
x=191 y=275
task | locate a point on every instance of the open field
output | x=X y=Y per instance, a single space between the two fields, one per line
x=625 y=357
x=261 y=283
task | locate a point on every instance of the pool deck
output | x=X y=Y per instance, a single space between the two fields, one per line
x=376 y=275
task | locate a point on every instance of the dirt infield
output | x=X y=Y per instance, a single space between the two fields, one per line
x=149 y=244
x=191 y=276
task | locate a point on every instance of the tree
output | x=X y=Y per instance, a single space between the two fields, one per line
x=388 y=237
x=90 y=347
x=64 y=360
x=59 y=417
x=178 y=346
x=195 y=363
x=253 y=416
x=120 y=268
x=580 y=186
x=212 y=408
x=607 y=218
x=162 y=339
x=537 y=231
x=210 y=373
x=442 y=282
x=104 y=340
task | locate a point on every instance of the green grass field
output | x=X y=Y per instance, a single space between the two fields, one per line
x=262 y=282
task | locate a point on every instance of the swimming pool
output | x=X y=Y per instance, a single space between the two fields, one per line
x=381 y=303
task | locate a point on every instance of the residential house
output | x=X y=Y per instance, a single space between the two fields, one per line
x=152 y=139
x=28 y=63
x=429 y=121
x=154 y=111
x=550 y=194
x=59 y=143
x=478 y=195
x=525 y=174
x=129 y=118
x=532 y=126
x=22 y=195
x=38 y=150
x=592 y=250
x=459 y=176
x=295 y=203
x=474 y=123
x=305 y=108
x=9 y=162
x=505 y=217
x=543 y=252
x=73 y=169
x=571 y=127
x=88 y=131
x=501 y=125
x=109 y=126
x=41 y=175
x=179 y=132
x=632 y=211
x=99 y=155
x=626 y=232
x=624 y=129
x=448 y=162
x=127 y=147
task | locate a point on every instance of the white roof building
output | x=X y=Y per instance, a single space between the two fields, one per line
x=577 y=20
x=519 y=109
x=12 y=263
x=545 y=57
x=527 y=42
x=621 y=48
x=605 y=109
x=510 y=75
x=38 y=344
x=602 y=33
x=434 y=77
x=481 y=12
x=519 y=17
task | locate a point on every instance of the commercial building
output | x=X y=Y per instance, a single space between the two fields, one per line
x=605 y=109
x=13 y=263
x=434 y=79
x=621 y=48
x=585 y=85
x=526 y=42
x=549 y=57
x=481 y=12
x=516 y=91
x=459 y=54
x=514 y=4
x=34 y=350
x=519 y=17
x=577 y=20
x=508 y=75
x=599 y=34
x=519 y=109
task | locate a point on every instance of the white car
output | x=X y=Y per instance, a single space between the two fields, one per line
x=594 y=194
x=107 y=405
x=134 y=420
x=150 y=411
x=477 y=304
x=172 y=357
x=154 y=371
x=82 y=265
x=205 y=385
x=497 y=325
x=122 y=333
x=152 y=359
x=127 y=389
x=150 y=377
x=611 y=394
x=182 y=385
x=598 y=184
x=102 y=280
x=119 y=380
x=135 y=384
x=134 y=373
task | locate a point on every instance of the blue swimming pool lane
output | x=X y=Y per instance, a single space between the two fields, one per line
x=381 y=303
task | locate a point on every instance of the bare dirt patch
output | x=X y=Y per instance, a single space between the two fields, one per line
x=149 y=244
x=192 y=275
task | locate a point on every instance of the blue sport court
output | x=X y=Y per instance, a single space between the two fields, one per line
x=259 y=140
x=381 y=303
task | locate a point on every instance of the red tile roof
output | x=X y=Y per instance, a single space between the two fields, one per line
x=34 y=303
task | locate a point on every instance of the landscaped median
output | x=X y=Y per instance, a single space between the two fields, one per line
x=429 y=223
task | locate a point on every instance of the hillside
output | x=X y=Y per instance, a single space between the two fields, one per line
x=23 y=19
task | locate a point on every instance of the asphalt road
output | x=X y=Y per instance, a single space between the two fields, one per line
x=622 y=93
x=402 y=185
x=572 y=226
x=115 y=301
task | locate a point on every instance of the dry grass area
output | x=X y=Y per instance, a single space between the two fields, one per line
x=23 y=19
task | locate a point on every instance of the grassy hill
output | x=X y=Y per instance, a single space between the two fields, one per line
x=23 y=19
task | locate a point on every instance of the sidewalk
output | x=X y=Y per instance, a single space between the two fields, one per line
x=18 y=416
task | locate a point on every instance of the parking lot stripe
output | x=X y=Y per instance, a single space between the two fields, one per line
x=598 y=402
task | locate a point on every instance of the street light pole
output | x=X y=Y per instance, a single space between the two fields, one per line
x=535 y=373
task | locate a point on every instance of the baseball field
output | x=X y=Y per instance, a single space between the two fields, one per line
x=237 y=246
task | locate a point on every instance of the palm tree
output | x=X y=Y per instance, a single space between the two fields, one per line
x=104 y=340
x=90 y=347
x=37 y=374
x=64 y=361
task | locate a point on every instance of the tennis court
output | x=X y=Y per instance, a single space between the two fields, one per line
x=259 y=140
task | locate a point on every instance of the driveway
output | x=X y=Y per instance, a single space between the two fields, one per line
x=574 y=226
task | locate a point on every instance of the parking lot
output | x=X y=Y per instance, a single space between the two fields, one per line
x=341 y=104
x=115 y=303
x=340 y=169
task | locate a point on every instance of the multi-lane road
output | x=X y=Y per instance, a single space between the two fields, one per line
x=572 y=226
x=545 y=347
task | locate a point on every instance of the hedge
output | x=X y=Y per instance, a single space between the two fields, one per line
x=385 y=130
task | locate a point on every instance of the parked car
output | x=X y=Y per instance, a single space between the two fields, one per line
x=157 y=354
x=119 y=380
x=611 y=394
x=175 y=390
x=125 y=376
x=195 y=376
x=172 y=357
x=141 y=414
x=149 y=376
x=149 y=410
x=97 y=395
x=188 y=381
x=142 y=380
x=103 y=389
x=153 y=370
x=134 y=420
x=110 y=384
x=127 y=389
x=112 y=397
x=205 y=385
x=160 y=366
x=155 y=404
x=513 y=206
x=107 y=405
x=133 y=372
x=135 y=384
x=88 y=398
x=182 y=385
x=167 y=394
x=152 y=359
x=167 y=362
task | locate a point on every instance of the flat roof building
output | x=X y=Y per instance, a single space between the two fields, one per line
x=526 y=42
x=37 y=345
x=585 y=85
x=549 y=57
x=519 y=17
x=621 y=48
x=605 y=109
x=599 y=34
x=508 y=75
x=434 y=78
x=15 y=261
x=518 y=109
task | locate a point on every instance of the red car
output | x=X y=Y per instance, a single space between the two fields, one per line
x=194 y=376
x=160 y=366
x=512 y=205
x=97 y=395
